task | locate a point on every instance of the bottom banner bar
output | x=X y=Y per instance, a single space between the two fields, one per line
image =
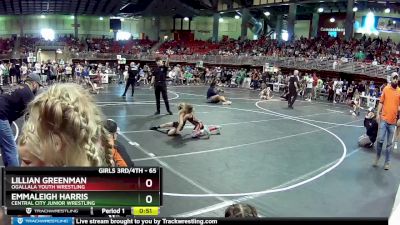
x=201 y=221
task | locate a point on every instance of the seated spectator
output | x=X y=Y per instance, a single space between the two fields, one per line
x=367 y=140
x=240 y=211
x=64 y=128
x=213 y=95
x=120 y=156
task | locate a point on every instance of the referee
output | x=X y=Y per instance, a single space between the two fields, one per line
x=160 y=86
x=131 y=79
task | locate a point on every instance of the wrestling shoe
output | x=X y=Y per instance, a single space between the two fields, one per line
x=207 y=133
x=218 y=130
x=213 y=130
x=153 y=128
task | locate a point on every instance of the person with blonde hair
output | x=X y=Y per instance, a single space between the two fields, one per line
x=266 y=93
x=64 y=128
x=355 y=104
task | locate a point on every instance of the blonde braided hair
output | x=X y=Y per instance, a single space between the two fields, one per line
x=66 y=114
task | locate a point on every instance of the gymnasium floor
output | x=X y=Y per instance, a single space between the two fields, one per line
x=287 y=163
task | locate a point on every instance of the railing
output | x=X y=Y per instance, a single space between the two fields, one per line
x=378 y=71
x=5 y=56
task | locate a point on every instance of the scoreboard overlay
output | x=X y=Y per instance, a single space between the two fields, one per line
x=82 y=191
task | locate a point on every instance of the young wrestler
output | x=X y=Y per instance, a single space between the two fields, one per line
x=186 y=114
x=64 y=128
x=266 y=93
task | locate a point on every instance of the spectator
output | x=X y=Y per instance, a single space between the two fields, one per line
x=314 y=86
x=120 y=156
x=240 y=211
x=309 y=87
x=12 y=106
x=213 y=95
x=368 y=139
x=387 y=117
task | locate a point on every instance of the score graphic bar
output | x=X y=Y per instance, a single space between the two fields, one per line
x=80 y=188
x=87 y=211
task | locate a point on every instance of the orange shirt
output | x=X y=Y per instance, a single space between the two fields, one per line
x=390 y=100
x=119 y=161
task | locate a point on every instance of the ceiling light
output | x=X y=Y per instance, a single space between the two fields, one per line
x=267 y=13
x=122 y=19
x=72 y=17
x=332 y=20
x=186 y=19
x=42 y=16
x=237 y=17
x=355 y=9
x=221 y=20
x=101 y=18
x=320 y=10
x=387 y=10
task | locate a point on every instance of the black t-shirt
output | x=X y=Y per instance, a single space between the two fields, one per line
x=361 y=88
x=372 y=128
x=13 y=71
x=292 y=80
x=13 y=105
x=160 y=75
x=211 y=92
x=132 y=74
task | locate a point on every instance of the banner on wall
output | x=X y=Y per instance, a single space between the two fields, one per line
x=388 y=24
x=122 y=61
x=31 y=59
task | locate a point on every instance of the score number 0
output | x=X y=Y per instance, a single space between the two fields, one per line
x=149 y=184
